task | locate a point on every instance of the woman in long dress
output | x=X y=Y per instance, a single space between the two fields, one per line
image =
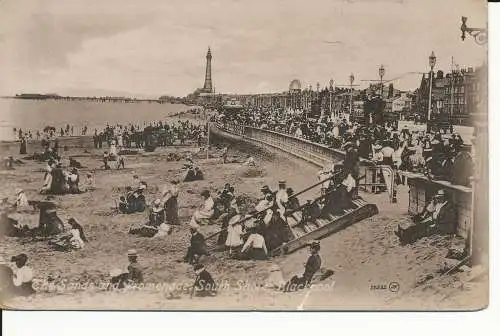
x=234 y=239
x=170 y=202
x=22 y=149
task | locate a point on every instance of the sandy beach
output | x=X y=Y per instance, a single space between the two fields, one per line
x=366 y=257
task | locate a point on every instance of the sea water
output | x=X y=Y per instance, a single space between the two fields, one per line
x=36 y=114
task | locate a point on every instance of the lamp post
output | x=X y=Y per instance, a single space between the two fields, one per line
x=479 y=230
x=317 y=100
x=331 y=93
x=381 y=73
x=309 y=100
x=432 y=63
x=351 y=81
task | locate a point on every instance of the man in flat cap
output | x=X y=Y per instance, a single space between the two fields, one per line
x=266 y=191
x=135 y=270
x=312 y=266
x=439 y=217
x=197 y=247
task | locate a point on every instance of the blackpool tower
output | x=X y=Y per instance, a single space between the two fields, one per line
x=207 y=87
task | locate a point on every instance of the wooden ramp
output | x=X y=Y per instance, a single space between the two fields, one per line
x=319 y=228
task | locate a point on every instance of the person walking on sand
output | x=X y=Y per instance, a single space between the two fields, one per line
x=22 y=149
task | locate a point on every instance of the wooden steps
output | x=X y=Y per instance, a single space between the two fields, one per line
x=323 y=227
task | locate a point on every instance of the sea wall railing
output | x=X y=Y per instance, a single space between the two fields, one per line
x=318 y=154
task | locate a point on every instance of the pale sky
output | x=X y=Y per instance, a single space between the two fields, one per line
x=156 y=47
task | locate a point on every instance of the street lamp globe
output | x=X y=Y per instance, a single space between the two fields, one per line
x=432 y=60
x=351 y=78
x=331 y=84
x=381 y=71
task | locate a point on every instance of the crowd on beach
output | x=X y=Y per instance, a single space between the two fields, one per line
x=156 y=133
x=430 y=152
x=251 y=235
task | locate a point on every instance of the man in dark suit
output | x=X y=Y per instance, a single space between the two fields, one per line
x=204 y=284
x=198 y=246
x=351 y=159
x=312 y=266
x=439 y=217
x=444 y=215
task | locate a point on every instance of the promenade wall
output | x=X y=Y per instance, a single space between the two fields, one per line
x=421 y=188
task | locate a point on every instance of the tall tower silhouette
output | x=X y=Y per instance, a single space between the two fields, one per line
x=207 y=87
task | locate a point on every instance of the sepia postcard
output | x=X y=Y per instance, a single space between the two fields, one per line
x=244 y=155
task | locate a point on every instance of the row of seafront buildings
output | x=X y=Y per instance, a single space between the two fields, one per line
x=455 y=97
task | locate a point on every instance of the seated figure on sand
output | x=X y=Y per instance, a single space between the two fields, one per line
x=118 y=161
x=250 y=161
x=133 y=201
x=312 y=266
x=204 y=284
x=156 y=225
x=206 y=211
x=73 y=240
x=49 y=223
x=133 y=275
x=254 y=247
x=73 y=180
x=88 y=183
x=11 y=225
x=18 y=224
x=439 y=217
x=21 y=200
x=191 y=172
x=16 y=277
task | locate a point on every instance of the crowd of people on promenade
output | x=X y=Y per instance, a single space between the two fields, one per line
x=432 y=153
